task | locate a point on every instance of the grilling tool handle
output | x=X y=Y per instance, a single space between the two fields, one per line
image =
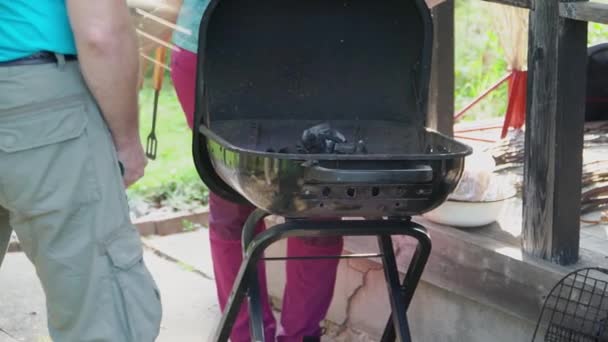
x=152 y=143
x=159 y=74
x=417 y=174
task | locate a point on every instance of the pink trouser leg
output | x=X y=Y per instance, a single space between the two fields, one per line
x=310 y=283
x=225 y=225
x=309 y=288
x=183 y=75
x=226 y=219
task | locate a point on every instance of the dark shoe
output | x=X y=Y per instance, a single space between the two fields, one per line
x=311 y=339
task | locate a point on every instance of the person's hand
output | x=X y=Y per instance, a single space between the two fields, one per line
x=133 y=159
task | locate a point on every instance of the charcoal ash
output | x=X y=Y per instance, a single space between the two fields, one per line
x=323 y=139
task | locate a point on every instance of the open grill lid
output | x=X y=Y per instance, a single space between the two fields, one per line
x=315 y=60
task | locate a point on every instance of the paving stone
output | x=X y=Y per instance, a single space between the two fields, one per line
x=190 y=248
x=190 y=310
x=22 y=303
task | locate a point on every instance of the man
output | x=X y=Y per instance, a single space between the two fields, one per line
x=68 y=118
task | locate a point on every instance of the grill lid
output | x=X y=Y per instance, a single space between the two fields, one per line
x=315 y=60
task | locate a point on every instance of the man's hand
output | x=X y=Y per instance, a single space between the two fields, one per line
x=131 y=156
x=107 y=51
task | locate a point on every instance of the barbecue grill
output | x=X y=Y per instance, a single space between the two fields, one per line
x=312 y=109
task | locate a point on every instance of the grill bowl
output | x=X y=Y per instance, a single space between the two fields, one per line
x=270 y=69
x=329 y=185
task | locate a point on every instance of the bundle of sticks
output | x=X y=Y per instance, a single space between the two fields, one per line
x=154 y=22
x=509 y=152
x=509 y=157
x=595 y=186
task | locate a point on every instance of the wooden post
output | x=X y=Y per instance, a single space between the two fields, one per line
x=554 y=134
x=441 y=96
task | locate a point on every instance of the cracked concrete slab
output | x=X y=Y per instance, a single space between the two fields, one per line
x=353 y=336
x=22 y=303
x=348 y=281
x=364 y=265
x=275 y=270
x=369 y=303
x=192 y=249
x=190 y=310
x=178 y=263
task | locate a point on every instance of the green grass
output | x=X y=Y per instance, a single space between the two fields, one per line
x=479 y=59
x=598 y=33
x=171 y=178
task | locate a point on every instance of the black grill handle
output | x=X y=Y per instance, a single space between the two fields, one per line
x=413 y=175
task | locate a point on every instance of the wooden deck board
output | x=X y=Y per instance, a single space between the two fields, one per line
x=507 y=230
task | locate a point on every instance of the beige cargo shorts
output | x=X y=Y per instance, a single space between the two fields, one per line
x=61 y=191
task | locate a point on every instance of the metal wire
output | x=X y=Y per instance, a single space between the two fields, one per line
x=576 y=310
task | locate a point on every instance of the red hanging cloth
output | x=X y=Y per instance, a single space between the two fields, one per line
x=516 y=107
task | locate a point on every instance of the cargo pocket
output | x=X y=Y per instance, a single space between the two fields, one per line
x=45 y=157
x=36 y=126
x=136 y=297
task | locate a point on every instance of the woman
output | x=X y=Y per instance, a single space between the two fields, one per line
x=310 y=283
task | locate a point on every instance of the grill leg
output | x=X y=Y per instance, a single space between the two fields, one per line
x=407 y=289
x=256 y=316
x=245 y=283
x=239 y=290
x=296 y=228
x=395 y=291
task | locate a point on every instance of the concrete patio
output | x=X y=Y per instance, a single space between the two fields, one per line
x=189 y=302
x=181 y=265
x=477 y=286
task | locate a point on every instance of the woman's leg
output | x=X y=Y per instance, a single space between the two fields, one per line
x=226 y=219
x=309 y=288
x=183 y=75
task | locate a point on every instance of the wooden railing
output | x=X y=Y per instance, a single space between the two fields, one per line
x=585 y=11
x=588 y=11
x=557 y=60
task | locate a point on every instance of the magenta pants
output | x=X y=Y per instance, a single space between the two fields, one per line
x=310 y=283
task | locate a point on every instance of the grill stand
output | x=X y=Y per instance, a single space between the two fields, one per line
x=400 y=294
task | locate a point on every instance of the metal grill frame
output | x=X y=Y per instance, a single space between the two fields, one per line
x=576 y=309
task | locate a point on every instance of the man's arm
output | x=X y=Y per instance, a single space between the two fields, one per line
x=107 y=50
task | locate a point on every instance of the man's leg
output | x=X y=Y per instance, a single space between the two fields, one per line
x=61 y=182
x=5 y=233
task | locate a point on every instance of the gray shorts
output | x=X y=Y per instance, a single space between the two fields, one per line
x=61 y=191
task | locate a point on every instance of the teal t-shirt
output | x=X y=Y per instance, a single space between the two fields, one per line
x=190 y=18
x=30 y=26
